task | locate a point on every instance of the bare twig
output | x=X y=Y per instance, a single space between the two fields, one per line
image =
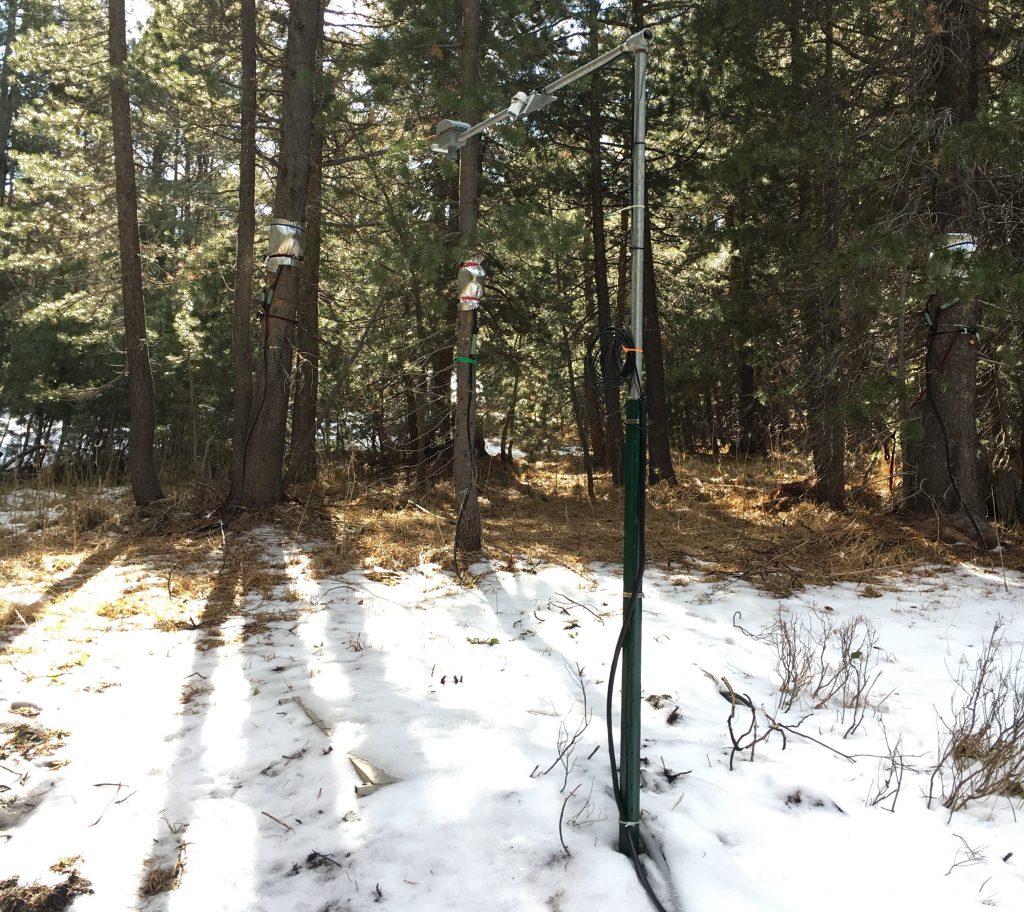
x=290 y=829
x=561 y=817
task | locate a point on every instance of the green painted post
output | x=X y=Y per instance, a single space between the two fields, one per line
x=632 y=524
x=629 y=741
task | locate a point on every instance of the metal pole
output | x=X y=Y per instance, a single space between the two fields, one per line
x=453 y=139
x=595 y=64
x=450 y=140
x=632 y=526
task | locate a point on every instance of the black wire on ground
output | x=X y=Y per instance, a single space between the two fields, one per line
x=611 y=361
x=933 y=331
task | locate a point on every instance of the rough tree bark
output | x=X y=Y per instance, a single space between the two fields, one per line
x=241 y=325
x=659 y=465
x=8 y=96
x=947 y=473
x=752 y=439
x=819 y=303
x=302 y=459
x=592 y=395
x=614 y=442
x=142 y=423
x=263 y=479
x=439 y=406
x=468 y=531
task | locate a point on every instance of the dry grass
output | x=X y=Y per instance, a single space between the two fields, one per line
x=160 y=876
x=715 y=516
x=29 y=741
x=715 y=519
x=36 y=897
x=165 y=577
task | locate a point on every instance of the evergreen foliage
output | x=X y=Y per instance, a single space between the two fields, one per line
x=795 y=151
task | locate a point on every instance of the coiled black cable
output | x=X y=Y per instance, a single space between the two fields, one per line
x=611 y=358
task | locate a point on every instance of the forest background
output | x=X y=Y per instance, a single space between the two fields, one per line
x=835 y=245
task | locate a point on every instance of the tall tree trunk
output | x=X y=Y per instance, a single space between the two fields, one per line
x=711 y=419
x=751 y=439
x=948 y=469
x=510 y=419
x=622 y=292
x=819 y=300
x=468 y=532
x=241 y=324
x=614 y=441
x=440 y=399
x=592 y=395
x=8 y=96
x=263 y=476
x=420 y=392
x=578 y=412
x=302 y=460
x=659 y=466
x=142 y=424
x=830 y=457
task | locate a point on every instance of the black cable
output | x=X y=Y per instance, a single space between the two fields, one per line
x=933 y=331
x=615 y=365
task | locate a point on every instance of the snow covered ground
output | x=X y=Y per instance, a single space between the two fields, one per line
x=29 y=509
x=226 y=769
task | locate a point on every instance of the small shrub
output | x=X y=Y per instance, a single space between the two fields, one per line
x=820 y=663
x=981 y=747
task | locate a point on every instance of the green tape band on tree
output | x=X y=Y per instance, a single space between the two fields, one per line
x=460 y=360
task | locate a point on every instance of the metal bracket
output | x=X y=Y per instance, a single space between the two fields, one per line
x=451 y=135
x=523 y=104
x=446 y=138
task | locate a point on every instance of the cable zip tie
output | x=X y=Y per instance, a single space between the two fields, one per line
x=639 y=350
x=629 y=823
x=469 y=263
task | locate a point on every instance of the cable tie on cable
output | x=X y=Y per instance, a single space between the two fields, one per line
x=629 y=823
x=638 y=350
x=469 y=263
x=461 y=360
